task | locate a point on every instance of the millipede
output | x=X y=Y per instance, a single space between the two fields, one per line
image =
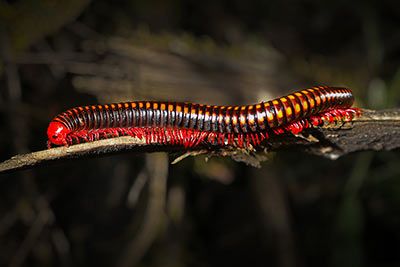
x=190 y=124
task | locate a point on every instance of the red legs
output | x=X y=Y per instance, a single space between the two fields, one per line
x=254 y=139
x=332 y=116
x=240 y=140
x=181 y=136
x=336 y=116
x=191 y=138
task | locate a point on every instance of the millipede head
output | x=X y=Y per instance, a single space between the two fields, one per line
x=57 y=133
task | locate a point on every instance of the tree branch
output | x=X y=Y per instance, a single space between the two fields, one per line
x=374 y=130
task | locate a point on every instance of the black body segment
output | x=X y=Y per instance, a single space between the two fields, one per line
x=220 y=119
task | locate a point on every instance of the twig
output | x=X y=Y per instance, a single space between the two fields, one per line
x=274 y=208
x=136 y=189
x=374 y=130
x=43 y=218
x=153 y=218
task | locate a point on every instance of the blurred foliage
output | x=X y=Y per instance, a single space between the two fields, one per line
x=29 y=21
x=297 y=210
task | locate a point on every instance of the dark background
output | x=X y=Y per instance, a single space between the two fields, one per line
x=138 y=210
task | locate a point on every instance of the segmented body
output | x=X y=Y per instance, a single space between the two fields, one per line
x=190 y=124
